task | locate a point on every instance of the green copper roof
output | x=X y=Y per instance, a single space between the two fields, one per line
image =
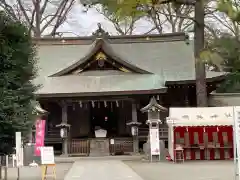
x=72 y=84
x=168 y=58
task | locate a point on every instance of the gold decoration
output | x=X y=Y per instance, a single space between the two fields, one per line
x=77 y=71
x=124 y=69
x=100 y=56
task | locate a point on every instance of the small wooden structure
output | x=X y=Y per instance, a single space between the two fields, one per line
x=204 y=133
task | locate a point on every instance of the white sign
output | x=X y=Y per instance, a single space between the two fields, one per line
x=47 y=155
x=236 y=111
x=154 y=141
x=19 y=151
x=111 y=141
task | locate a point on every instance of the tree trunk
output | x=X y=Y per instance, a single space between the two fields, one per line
x=201 y=88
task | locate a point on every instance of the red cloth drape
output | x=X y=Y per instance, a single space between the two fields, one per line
x=225 y=153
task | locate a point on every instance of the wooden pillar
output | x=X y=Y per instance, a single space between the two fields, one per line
x=64 y=120
x=134 y=119
x=186 y=96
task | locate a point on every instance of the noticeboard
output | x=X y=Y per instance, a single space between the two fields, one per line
x=47 y=155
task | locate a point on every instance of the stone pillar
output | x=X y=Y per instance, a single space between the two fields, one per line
x=134 y=120
x=64 y=121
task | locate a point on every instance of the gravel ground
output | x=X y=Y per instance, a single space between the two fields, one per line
x=34 y=173
x=195 y=170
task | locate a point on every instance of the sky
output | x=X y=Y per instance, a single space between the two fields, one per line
x=82 y=23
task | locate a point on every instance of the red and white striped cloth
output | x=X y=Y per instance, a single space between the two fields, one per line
x=205 y=135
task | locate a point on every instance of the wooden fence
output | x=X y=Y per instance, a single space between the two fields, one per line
x=81 y=147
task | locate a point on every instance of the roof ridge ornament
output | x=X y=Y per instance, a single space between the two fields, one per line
x=100 y=32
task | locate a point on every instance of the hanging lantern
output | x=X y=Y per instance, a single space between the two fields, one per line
x=105 y=104
x=217 y=129
x=117 y=104
x=204 y=129
x=187 y=129
x=158 y=97
x=93 y=105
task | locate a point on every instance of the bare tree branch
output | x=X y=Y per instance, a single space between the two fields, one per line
x=39 y=15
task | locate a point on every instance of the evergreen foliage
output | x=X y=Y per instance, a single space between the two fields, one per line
x=17 y=62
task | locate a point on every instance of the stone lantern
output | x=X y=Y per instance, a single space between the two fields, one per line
x=153 y=109
x=64 y=133
x=134 y=131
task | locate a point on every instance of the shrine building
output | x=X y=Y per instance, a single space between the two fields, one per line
x=101 y=82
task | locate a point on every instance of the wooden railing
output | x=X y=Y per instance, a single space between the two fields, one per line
x=79 y=147
x=143 y=133
x=121 y=146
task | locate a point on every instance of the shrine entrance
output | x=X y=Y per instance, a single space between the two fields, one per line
x=104 y=115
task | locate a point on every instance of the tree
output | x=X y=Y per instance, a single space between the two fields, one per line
x=40 y=16
x=123 y=25
x=231 y=8
x=17 y=56
x=167 y=17
x=125 y=8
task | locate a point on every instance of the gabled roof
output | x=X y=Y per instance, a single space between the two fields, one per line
x=153 y=105
x=168 y=57
x=96 y=46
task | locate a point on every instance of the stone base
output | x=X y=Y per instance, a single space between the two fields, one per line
x=64 y=155
x=99 y=147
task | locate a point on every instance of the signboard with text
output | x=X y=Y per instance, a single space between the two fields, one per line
x=154 y=141
x=47 y=156
x=40 y=135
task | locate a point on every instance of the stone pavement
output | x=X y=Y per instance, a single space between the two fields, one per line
x=34 y=173
x=190 y=170
x=102 y=170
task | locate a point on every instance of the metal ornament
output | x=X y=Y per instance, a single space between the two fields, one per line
x=105 y=104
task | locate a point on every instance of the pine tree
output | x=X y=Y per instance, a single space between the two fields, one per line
x=17 y=62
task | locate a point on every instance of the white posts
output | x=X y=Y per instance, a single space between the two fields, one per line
x=19 y=149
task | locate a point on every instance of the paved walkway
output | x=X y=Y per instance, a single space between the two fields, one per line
x=101 y=170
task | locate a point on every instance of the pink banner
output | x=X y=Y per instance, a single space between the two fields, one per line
x=40 y=136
